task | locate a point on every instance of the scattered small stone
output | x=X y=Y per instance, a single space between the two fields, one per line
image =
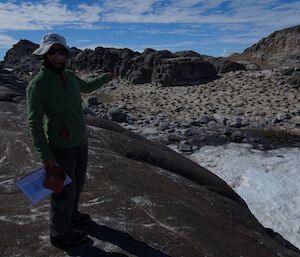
x=297 y=122
x=220 y=118
x=238 y=104
x=205 y=119
x=184 y=146
x=92 y=100
x=187 y=132
x=195 y=148
x=237 y=135
x=178 y=109
x=259 y=113
x=115 y=114
x=163 y=125
x=195 y=123
x=283 y=116
x=239 y=112
x=175 y=138
x=236 y=123
x=198 y=141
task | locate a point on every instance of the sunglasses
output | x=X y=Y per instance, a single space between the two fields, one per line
x=54 y=51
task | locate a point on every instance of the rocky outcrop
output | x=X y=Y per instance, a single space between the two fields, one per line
x=20 y=59
x=279 y=49
x=182 y=71
x=142 y=67
x=188 y=54
x=11 y=88
x=145 y=200
x=164 y=67
x=295 y=78
x=223 y=65
x=107 y=59
x=151 y=66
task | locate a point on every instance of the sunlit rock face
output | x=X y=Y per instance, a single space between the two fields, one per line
x=279 y=49
x=145 y=200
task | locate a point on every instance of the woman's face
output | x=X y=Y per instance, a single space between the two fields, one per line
x=57 y=55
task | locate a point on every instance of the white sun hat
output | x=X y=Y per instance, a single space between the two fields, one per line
x=49 y=40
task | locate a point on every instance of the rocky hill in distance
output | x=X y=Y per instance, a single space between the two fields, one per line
x=150 y=66
x=280 y=49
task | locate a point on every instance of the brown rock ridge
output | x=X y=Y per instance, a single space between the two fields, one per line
x=151 y=66
x=20 y=59
x=279 y=49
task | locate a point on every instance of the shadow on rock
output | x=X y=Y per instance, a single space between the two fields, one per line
x=120 y=239
x=88 y=250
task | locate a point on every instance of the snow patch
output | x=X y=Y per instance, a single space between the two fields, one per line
x=269 y=181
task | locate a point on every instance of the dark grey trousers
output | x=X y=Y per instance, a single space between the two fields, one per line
x=64 y=205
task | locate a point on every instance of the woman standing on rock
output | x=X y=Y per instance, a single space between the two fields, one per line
x=57 y=126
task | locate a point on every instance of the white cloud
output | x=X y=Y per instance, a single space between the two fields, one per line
x=130 y=6
x=202 y=6
x=182 y=31
x=253 y=12
x=155 y=11
x=31 y=15
x=83 y=40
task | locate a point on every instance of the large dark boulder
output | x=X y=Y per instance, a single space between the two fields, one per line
x=107 y=59
x=183 y=71
x=142 y=66
x=145 y=200
x=223 y=65
x=294 y=79
x=167 y=68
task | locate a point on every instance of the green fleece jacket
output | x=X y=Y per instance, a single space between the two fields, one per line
x=55 y=99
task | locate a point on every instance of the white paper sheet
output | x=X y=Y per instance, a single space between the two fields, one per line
x=32 y=185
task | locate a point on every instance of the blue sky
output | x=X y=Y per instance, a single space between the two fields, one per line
x=208 y=27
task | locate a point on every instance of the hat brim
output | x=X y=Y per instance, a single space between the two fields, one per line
x=43 y=49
